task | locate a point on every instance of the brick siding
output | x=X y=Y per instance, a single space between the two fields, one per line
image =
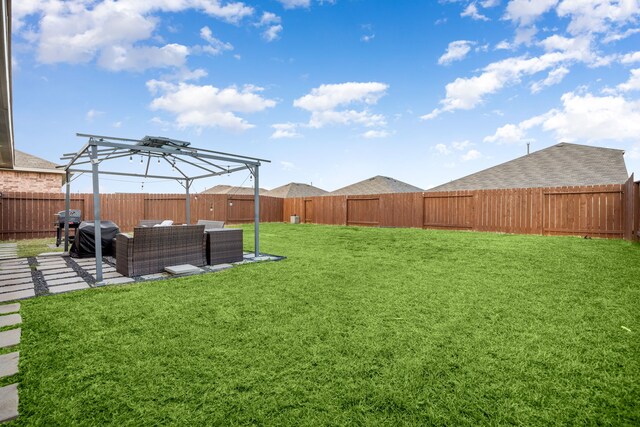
x=30 y=181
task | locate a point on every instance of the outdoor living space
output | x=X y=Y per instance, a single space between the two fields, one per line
x=366 y=325
x=30 y=268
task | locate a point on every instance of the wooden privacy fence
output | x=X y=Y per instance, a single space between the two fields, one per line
x=608 y=211
x=31 y=215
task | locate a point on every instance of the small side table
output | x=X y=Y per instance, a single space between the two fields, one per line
x=224 y=245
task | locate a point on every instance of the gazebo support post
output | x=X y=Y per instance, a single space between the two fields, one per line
x=96 y=211
x=67 y=205
x=256 y=208
x=187 y=184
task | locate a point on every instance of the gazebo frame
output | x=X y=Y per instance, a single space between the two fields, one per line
x=101 y=148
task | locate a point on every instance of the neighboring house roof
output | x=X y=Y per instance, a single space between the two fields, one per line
x=30 y=162
x=295 y=189
x=229 y=189
x=560 y=165
x=376 y=185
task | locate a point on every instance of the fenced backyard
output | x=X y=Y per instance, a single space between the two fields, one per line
x=359 y=325
x=608 y=211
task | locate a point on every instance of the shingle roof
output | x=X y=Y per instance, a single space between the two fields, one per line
x=28 y=161
x=560 y=165
x=295 y=189
x=229 y=189
x=376 y=185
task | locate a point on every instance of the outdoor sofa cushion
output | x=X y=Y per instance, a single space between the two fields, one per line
x=210 y=225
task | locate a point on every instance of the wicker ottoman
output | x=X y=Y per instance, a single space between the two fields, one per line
x=224 y=245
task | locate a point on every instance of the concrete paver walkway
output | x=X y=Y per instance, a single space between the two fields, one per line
x=9 y=362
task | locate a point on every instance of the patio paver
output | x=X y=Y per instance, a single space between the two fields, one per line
x=9 y=308
x=67 y=288
x=55 y=266
x=53 y=276
x=65 y=281
x=109 y=275
x=58 y=270
x=15 y=276
x=52 y=254
x=13 y=288
x=8 y=402
x=18 y=281
x=10 y=320
x=13 y=296
x=155 y=276
x=118 y=281
x=10 y=338
x=9 y=364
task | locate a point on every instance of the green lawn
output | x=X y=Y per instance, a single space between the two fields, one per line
x=357 y=326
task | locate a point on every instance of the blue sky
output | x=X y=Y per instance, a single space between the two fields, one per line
x=332 y=92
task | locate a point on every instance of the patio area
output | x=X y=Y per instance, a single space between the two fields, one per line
x=57 y=272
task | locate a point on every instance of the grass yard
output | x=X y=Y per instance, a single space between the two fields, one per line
x=33 y=247
x=358 y=326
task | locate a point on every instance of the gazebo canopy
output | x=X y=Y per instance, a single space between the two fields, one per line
x=187 y=165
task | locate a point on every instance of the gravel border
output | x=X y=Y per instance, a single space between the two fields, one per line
x=80 y=271
x=39 y=284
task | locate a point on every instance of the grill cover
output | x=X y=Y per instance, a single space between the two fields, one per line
x=84 y=244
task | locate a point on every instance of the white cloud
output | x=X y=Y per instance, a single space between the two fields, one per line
x=553 y=78
x=272 y=33
x=371 y=134
x=630 y=58
x=612 y=37
x=597 y=16
x=323 y=103
x=269 y=18
x=117 y=125
x=456 y=51
x=507 y=134
x=272 y=22
x=442 y=149
x=285 y=130
x=454 y=146
x=185 y=74
x=367 y=37
x=324 y=118
x=472 y=11
x=80 y=31
x=330 y=96
x=504 y=45
x=92 y=114
x=216 y=46
x=118 y=58
x=525 y=12
x=461 y=145
x=292 y=4
x=471 y=155
x=582 y=117
x=489 y=3
x=467 y=93
x=207 y=106
x=633 y=83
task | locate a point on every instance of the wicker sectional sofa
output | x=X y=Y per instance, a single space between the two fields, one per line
x=151 y=249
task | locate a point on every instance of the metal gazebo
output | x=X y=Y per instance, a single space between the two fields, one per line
x=207 y=163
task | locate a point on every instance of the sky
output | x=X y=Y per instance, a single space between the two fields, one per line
x=332 y=92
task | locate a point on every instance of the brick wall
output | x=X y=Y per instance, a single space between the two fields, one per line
x=30 y=181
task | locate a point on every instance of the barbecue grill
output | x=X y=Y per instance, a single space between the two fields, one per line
x=75 y=218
